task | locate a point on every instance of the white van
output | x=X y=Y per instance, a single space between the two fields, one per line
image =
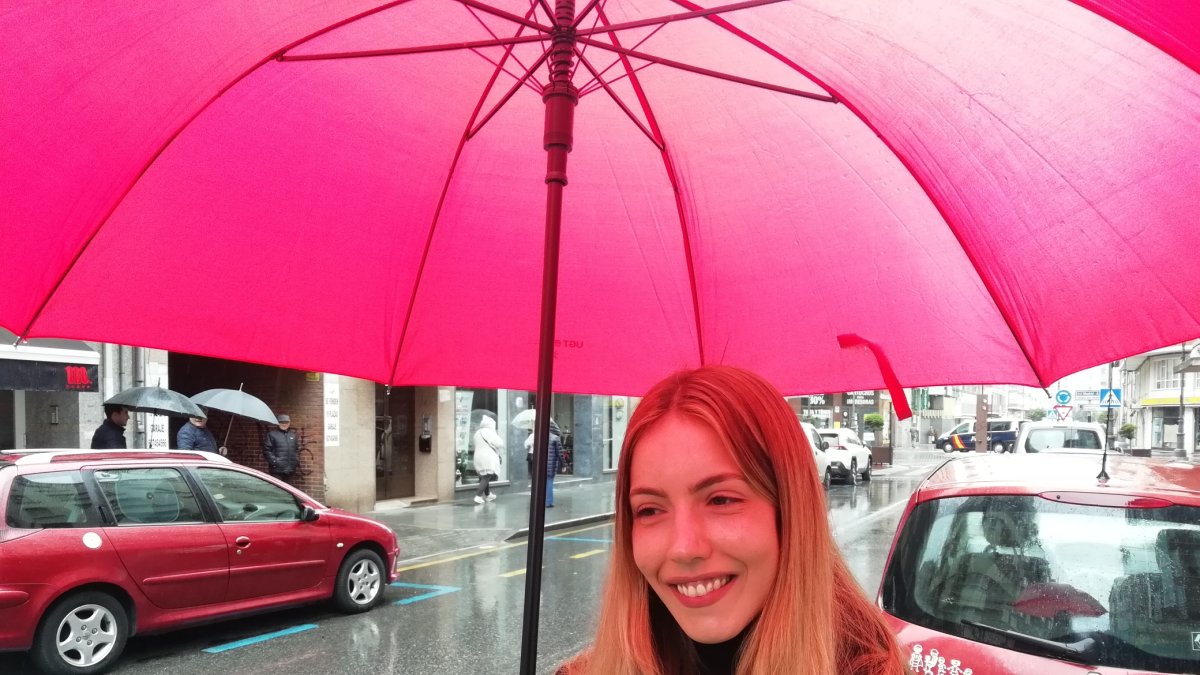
x=1047 y=436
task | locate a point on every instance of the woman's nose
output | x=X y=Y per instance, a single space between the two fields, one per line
x=689 y=538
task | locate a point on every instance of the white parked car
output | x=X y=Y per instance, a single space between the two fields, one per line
x=849 y=458
x=1048 y=436
x=818 y=449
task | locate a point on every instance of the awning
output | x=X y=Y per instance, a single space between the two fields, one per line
x=1168 y=400
x=47 y=365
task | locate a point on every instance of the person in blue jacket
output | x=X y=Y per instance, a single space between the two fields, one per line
x=195 y=435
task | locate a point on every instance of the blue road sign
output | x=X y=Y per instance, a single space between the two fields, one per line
x=1110 y=398
x=1063 y=397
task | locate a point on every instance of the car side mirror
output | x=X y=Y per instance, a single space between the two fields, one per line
x=308 y=514
x=824 y=445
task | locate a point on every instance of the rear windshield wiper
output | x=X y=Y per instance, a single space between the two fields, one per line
x=1074 y=651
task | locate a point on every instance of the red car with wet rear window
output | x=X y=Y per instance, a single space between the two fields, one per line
x=1031 y=565
x=96 y=546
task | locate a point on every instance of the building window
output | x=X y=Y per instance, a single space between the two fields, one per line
x=1165 y=376
x=471 y=406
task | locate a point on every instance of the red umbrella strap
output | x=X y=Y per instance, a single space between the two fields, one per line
x=903 y=412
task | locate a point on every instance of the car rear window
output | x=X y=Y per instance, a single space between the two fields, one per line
x=151 y=496
x=43 y=500
x=1122 y=585
x=1040 y=440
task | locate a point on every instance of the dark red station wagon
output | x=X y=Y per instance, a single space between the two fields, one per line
x=1032 y=564
x=96 y=546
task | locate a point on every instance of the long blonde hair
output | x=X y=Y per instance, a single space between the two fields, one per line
x=816 y=620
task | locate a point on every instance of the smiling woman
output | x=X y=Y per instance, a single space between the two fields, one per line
x=722 y=558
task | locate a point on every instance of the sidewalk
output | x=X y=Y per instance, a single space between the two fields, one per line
x=905 y=459
x=448 y=526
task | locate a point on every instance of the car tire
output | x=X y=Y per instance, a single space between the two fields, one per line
x=947 y=448
x=360 y=582
x=998 y=447
x=866 y=474
x=826 y=479
x=853 y=478
x=81 y=634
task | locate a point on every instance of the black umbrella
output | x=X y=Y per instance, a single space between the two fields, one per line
x=158 y=401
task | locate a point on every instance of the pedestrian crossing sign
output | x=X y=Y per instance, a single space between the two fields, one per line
x=1110 y=398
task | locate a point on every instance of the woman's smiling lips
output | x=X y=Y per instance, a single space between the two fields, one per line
x=700 y=592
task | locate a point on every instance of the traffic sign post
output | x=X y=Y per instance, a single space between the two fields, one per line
x=1110 y=398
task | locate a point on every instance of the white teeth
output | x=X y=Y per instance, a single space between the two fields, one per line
x=701 y=589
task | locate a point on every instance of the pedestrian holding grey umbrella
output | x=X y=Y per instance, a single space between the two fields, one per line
x=282 y=449
x=195 y=435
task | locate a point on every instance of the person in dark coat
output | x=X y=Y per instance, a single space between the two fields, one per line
x=282 y=449
x=195 y=435
x=110 y=435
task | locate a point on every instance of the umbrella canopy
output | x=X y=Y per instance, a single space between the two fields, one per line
x=236 y=402
x=977 y=191
x=1050 y=599
x=1003 y=191
x=157 y=401
x=524 y=420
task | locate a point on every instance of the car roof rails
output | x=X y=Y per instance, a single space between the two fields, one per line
x=28 y=457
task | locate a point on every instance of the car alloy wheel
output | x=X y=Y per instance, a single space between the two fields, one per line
x=866 y=474
x=853 y=480
x=827 y=478
x=82 y=633
x=997 y=447
x=947 y=448
x=359 y=582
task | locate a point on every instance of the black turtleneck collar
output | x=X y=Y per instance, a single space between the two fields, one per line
x=721 y=658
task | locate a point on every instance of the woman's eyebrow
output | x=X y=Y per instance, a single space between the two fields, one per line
x=700 y=485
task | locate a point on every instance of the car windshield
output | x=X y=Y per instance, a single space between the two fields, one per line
x=1040 y=440
x=1123 y=583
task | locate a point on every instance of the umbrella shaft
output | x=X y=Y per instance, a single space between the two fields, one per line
x=560 y=97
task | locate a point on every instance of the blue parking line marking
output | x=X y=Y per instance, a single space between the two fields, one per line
x=602 y=541
x=260 y=638
x=434 y=591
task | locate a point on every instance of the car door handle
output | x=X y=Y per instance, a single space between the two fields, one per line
x=242 y=542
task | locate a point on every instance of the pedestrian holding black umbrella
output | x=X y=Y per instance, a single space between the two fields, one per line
x=110 y=435
x=154 y=400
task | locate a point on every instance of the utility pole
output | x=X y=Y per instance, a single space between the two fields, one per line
x=981 y=421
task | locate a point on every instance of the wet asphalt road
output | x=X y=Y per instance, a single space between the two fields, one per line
x=461 y=612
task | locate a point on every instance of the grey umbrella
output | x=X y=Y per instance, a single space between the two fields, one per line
x=236 y=402
x=158 y=401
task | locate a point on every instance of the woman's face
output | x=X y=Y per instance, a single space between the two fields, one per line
x=704 y=540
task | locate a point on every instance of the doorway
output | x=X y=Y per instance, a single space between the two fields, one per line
x=395 y=442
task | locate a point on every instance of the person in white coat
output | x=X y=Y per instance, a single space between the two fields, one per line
x=488 y=445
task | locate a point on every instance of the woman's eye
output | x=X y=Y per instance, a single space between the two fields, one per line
x=723 y=500
x=644 y=512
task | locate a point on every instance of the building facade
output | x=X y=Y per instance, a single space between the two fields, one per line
x=1152 y=391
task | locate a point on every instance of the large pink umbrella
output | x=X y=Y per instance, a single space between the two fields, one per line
x=979 y=191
